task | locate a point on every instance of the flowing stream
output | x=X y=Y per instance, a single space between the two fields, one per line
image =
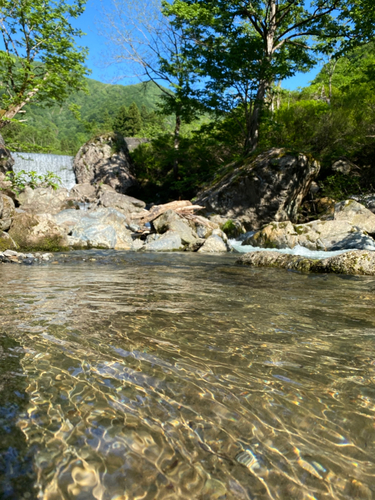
x=184 y=376
x=60 y=165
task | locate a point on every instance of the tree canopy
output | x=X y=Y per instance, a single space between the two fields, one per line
x=239 y=48
x=39 y=60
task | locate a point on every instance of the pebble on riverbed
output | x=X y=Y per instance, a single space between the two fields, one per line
x=13 y=257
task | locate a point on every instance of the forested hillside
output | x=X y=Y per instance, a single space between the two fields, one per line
x=59 y=129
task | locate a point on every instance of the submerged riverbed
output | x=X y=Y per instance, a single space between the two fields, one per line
x=183 y=376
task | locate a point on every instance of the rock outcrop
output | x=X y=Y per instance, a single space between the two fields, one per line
x=357 y=262
x=268 y=188
x=106 y=160
x=351 y=227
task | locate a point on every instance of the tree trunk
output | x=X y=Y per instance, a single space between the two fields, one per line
x=176 y=145
x=253 y=128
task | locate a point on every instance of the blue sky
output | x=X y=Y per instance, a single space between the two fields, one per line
x=89 y=23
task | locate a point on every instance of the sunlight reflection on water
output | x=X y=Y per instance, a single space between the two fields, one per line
x=185 y=377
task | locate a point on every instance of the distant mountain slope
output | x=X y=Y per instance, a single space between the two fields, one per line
x=57 y=129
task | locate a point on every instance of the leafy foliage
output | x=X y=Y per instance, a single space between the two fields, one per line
x=40 y=61
x=20 y=180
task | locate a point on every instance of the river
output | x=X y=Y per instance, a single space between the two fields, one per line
x=184 y=376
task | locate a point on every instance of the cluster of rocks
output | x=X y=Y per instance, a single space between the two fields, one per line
x=13 y=257
x=100 y=217
x=351 y=226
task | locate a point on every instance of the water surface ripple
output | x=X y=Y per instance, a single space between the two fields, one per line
x=186 y=377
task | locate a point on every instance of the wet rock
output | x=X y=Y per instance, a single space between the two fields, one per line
x=357 y=262
x=167 y=242
x=102 y=228
x=213 y=244
x=268 y=188
x=105 y=159
x=43 y=200
x=7 y=210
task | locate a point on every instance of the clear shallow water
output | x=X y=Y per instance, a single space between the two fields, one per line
x=185 y=377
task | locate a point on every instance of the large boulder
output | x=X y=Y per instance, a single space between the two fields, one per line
x=109 y=198
x=317 y=235
x=100 y=228
x=105 y=159
x=43 y=200
x=355 y=213
x=7 y=209
x=83 y=193
x=167 y=242
x=268 y=188
x=357 y=262
x=213 y=244
x=37 y=232
x=171 y=221
x=6 y=160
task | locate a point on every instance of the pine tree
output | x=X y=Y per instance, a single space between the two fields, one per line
x=133 y=121
x=128 y=122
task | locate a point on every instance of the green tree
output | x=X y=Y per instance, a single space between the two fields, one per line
x=239 y=48
x=128 y=122
x=40 y=61
x=144 y=38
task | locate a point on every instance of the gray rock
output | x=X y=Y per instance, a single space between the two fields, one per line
x=43 y=200
x=168 y=242
x=161 y=224
x=137 y=245
x=355 y=213
x=344 y=166
x=10 y=253
x=103 y=228
x=171 y=221
x=83 y=193
x=269 y=188
x=213 y=244
x=134 y=142
x=105 y=159
x=357 y=262
x=68 y=219
x=109 y=198
x=7 y=211
x=317 y=235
